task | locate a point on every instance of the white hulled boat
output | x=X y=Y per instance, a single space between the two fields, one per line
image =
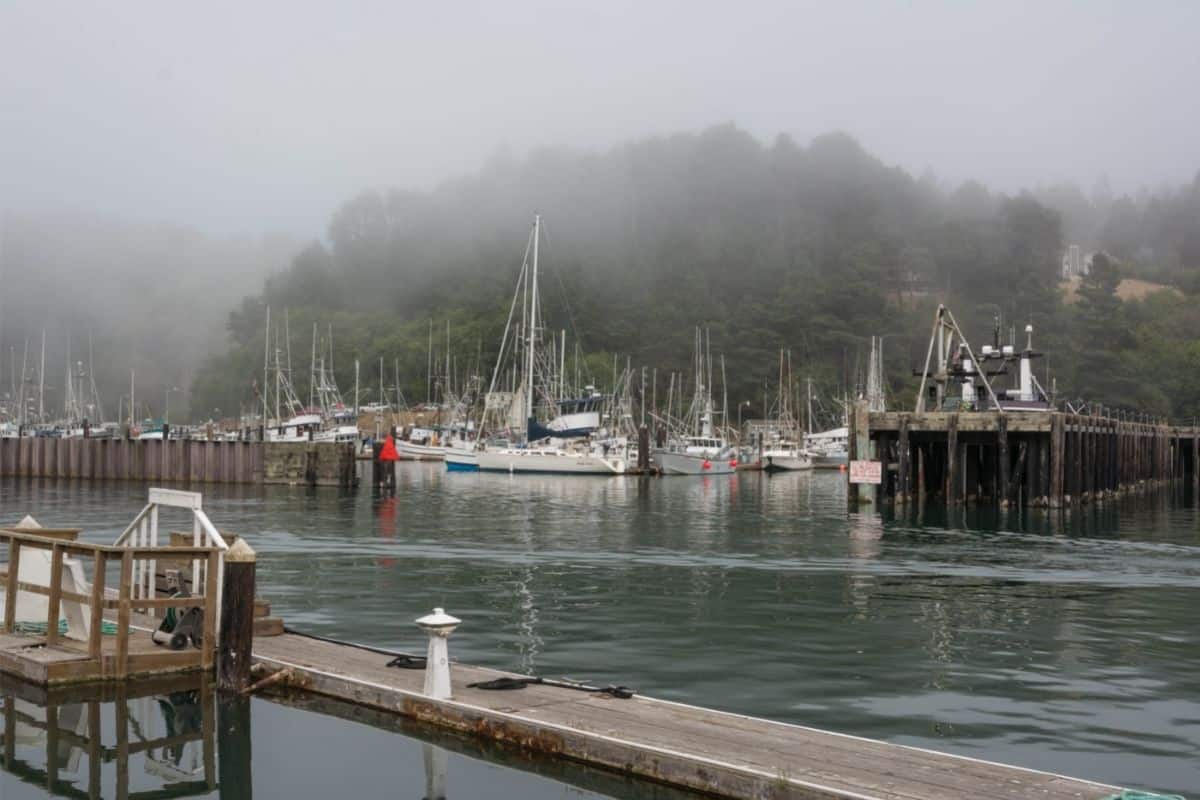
x=560 y=444
x=700 y=451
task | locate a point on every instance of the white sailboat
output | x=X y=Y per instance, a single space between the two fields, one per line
x=557 y=446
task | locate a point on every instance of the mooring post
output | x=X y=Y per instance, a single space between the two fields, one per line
x=237 y=618
x=903 y=490
x=438 y=626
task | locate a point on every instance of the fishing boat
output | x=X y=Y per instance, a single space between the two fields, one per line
x=830 y=449
x=784 y=451
x=696 y=448
x=696 y=455
x=786 y=456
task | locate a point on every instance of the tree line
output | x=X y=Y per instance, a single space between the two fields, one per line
x=769 y=246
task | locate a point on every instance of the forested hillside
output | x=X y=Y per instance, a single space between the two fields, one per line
x=813 y=248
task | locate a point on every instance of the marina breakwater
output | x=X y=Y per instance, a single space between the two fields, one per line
x=1048 y=459
x=181 y=461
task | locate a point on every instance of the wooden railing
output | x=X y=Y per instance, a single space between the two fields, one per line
x=98 y=599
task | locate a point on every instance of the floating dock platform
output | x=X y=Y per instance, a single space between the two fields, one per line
x=718 y=753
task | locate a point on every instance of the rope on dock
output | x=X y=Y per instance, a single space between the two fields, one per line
x=508 y=684
x=1134 y=794
x=396 y=654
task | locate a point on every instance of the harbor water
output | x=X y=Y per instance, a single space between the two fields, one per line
x=1065 y=642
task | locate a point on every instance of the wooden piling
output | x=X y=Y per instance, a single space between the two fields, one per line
x=920 y=474
x=953 y=479
x=643 y=456
x=1196 y=464
x=237 y=618
x=1002 y=456
x=883 y=448
x=1057 y=444
x=903 y=489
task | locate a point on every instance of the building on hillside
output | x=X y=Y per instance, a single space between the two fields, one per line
x=1074 y=264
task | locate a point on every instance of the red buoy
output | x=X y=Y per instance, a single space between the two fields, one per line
x=707 y=464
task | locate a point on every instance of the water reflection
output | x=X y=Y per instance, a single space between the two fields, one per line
x=155 y=740
x=152 y=739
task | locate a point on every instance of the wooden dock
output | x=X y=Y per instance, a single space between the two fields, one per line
x=1051 y=459
x=724 y=754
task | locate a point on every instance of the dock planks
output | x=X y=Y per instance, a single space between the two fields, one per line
x=711 y=751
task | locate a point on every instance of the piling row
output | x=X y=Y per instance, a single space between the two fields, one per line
x=136 y=460
x=1040 y=459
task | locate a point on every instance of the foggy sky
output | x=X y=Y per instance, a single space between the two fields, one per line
x=266 y=115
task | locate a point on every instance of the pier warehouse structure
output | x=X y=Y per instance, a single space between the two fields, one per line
x=972 y=440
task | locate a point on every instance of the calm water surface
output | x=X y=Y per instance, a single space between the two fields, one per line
x=1062 y=643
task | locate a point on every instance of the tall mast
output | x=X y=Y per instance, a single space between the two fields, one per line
x=42 y=382
x=429 y=367
x=312 y=368
x=131 y=406
x=278 y=376
x=287 y=341
x=448 y=389
x=396 y=375
x=810 y=430
x=533 y=301
x=24 y=375
x=356 y=391
x=266 y=364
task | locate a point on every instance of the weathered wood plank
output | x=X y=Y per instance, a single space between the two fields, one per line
x=696 y=748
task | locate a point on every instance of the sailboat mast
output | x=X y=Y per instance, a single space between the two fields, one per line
x=429 y=367
x=533 y=302
x=266 y=364
x=287 y=340
x=810 y=430
x=131 y=406
x=312 y=368
x=356 y=391
x=42 y=382
x=24 y=376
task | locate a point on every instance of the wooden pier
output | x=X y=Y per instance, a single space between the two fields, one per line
x=723 y=754
x=1051 y=459
x=181 y=461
